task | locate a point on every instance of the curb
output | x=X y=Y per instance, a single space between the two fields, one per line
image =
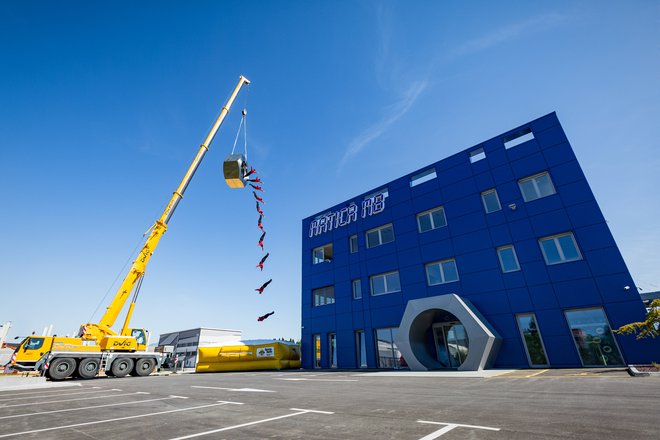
x=633 y=371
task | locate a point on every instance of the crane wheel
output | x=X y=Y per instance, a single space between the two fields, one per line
x=61 y=368
x=143 y=367
x=121 y=367
x=89 y=368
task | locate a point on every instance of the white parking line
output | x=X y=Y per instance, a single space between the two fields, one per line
x=449 y=427
x=54 y=428
x=256 y=422
x=316 y=380
x=36 y=392
x=135 y=402
x=248 y=390
x=64 y=394
x=69 y=400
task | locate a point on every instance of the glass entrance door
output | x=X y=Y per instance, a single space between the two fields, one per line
x=451 y=344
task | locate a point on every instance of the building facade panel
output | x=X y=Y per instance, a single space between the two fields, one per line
x=510 y=226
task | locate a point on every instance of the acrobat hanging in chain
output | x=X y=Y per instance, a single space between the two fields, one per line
x=263 y=286
x=238 y=163
x=263 y=260
x=262 y=318
x=259 y=199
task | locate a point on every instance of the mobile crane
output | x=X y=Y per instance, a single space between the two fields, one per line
x=98 y=347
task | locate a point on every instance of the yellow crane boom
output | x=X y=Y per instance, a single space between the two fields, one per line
x=134 y=277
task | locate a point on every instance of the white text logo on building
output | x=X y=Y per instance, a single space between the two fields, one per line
x=332 y=220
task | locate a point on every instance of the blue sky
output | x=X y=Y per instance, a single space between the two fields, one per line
x=103 y=106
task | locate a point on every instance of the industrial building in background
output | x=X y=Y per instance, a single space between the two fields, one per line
x=497 y=256
x=183 y=344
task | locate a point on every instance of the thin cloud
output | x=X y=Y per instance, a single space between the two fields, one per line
x=393 y=114
x=508 y=33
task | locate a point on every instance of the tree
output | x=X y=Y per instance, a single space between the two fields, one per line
x=649 y=327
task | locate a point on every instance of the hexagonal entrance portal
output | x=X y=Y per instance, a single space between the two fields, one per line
x=446 y=332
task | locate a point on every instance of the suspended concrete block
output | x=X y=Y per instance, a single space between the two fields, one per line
x=234 y=169
x=418 y=320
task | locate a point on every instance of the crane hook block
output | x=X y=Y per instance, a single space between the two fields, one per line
x=235 y=168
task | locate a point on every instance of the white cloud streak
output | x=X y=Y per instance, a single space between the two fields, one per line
x=508 y=33
x=393 y=113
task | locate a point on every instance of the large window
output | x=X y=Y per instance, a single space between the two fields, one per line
x=593 y=337
x=441 y=272
x=508 y=259
x=353 y=244
x=431 y=219
x=360 y=349
x=381 y=235
x=531 y=336
x=385 y=283
x=357 y=288
x=324 y=295
x=536 y=186
x=322 y=254
x=491 y=201
x=389 y=355
x=560 y=248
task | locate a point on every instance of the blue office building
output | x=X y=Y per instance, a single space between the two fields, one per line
x=497 y=256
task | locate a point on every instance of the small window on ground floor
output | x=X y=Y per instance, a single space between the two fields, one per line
x=389 y=355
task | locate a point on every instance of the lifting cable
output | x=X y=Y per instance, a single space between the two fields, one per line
x=243 y=124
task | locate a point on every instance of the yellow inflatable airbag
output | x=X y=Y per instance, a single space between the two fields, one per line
x=271 y=356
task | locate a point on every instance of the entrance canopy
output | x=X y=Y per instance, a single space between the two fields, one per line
x=415 y=336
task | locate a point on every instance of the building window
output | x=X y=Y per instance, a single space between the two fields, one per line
x=317 y=351
x=357 y=288
x=518 y=138
x=432 y=219
x=332 y=349
x=593 y=337
x=491 y=201
x=477 y=155
x=353 y=244
x=389 y=355
x=531 y=336
x=536 y=186
x=322 y=254
x=385 y=283
x=508 y=259
x=422 y=177
x=560 y=248
x=381 y=235
x=441 y=272
x=360 y=349
x=324 y=296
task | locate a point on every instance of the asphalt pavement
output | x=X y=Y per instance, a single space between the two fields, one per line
x=522 y=404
